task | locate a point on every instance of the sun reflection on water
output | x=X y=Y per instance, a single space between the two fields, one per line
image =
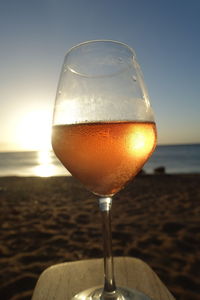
x=45 y=167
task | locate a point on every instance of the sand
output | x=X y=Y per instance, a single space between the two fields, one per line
x=46 y=221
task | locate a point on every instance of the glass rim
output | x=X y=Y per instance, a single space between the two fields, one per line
x=100 y=41
x=106 y=42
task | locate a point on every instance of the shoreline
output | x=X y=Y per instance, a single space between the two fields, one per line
x=48 y=220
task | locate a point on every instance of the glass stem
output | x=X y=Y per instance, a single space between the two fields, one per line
x=109 y=281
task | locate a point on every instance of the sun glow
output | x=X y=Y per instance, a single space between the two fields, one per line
x=142 y=141
x=34 y=130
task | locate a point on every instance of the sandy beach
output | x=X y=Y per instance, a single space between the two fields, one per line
x=46 y=221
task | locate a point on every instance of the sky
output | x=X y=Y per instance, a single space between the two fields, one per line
x=35 y=36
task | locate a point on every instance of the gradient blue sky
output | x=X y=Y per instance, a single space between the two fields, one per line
x=35 y=35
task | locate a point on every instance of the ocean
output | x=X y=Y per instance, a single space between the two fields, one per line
x=176 y=159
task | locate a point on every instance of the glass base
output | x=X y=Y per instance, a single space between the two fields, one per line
x=120 y=294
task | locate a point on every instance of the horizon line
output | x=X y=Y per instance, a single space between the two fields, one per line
x=50 y=149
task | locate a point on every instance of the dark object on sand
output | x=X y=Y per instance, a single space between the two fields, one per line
x=159 y=170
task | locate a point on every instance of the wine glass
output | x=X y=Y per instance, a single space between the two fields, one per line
x=103 y=133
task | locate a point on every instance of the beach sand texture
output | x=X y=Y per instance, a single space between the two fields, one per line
x=46 y=221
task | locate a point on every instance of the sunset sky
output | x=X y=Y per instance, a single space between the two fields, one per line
x=35 y=35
